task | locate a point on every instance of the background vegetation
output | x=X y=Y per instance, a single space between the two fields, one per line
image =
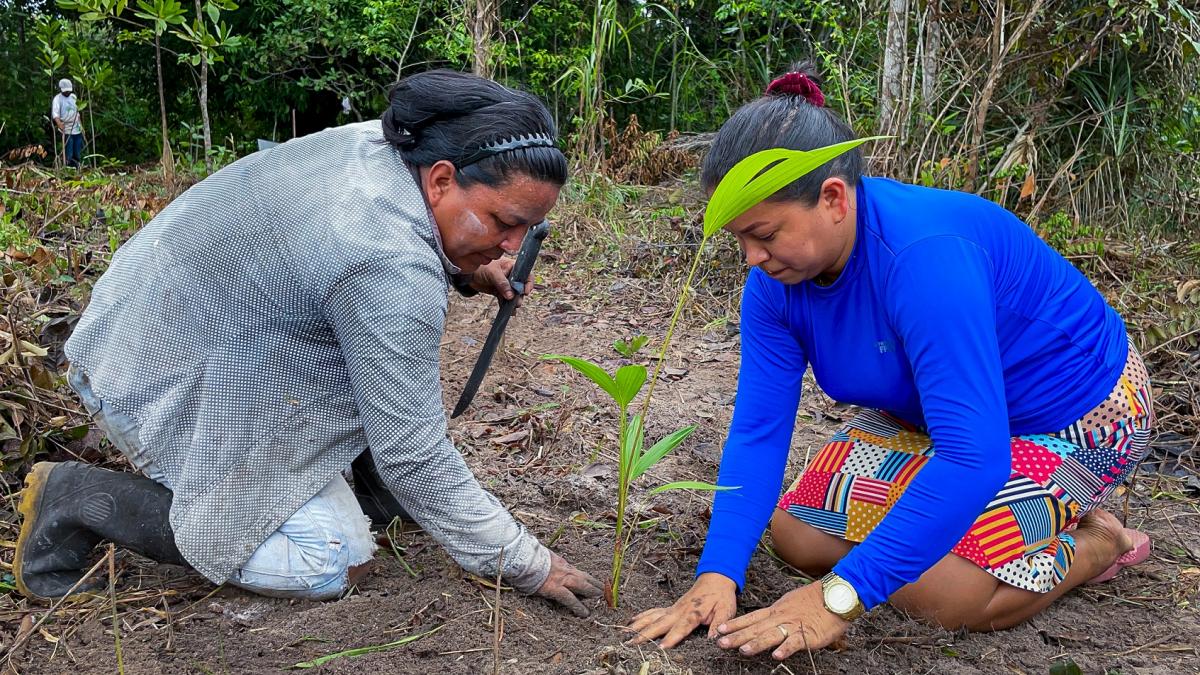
x=1085 y=107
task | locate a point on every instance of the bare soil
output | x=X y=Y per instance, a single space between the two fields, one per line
x=540 y=438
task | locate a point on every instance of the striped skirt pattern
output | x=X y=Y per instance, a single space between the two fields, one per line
x=1023 y=536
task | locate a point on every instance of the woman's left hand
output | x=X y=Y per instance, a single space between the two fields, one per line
x=492 y=278
x=796 y=622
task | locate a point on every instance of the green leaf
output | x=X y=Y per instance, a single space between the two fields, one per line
x=591 y=371
x=75 y=433
x=629 y=382
x=635 y=437
x=660 y=450
x=763 y=174
x=628 y=348
x=1065 y=667
x=693 y=485
x=350 y=653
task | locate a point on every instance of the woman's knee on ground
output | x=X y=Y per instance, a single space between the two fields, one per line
x=805 y=547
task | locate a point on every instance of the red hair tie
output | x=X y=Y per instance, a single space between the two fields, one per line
x=798 y=84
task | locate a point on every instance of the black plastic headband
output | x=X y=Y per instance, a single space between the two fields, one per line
x=534 y=141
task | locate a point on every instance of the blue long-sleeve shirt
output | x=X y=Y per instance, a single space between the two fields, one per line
x=950 y=314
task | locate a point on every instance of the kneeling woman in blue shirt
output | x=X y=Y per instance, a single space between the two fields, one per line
x=1001 y=402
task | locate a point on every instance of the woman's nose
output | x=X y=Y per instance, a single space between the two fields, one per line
x=755 y=255
x=511 y=243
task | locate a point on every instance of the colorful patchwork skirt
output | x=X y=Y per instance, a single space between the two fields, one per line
x=1023 y=536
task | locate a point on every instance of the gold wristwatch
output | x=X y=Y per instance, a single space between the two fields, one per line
x=841 y=598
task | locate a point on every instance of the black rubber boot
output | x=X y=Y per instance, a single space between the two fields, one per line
x=69 y=507
x=373 y=496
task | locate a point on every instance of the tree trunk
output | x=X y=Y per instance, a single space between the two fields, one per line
x=892 y=87
x=931 y=58
x=483 y=22
x=204 y=100
x=1000 y=50
x=168 y=162
x=92 y=125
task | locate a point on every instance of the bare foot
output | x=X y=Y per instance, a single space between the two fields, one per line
x=1107 y=528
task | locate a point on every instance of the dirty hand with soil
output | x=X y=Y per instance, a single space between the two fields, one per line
x=566 y=584
x=795 y=622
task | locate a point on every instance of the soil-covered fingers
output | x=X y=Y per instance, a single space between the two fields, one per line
x=563 y=596
x=798 y=640
x=582 y=583
x=761 y=637
x=672 y=624
x=649 y=625
x=734 y=626
x=722 y=613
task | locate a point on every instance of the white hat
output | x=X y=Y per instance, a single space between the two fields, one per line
x=64 y=85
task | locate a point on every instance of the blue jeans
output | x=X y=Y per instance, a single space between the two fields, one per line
x=308 y=557
x=73 y=148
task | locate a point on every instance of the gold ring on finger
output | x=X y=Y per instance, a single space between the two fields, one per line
x=783 y=630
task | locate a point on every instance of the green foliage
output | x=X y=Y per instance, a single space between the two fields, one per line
x=207 y=35
x=1071 y=238
x=1096 y=99
x=161 y=13
x=12 y=230
x=629 y=348
x=1065 y=666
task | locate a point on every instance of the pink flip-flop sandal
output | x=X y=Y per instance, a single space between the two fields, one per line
x=1138 y=554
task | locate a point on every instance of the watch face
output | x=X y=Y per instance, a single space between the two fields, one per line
x=841 y=597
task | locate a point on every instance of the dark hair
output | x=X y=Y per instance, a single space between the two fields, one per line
x=464 y=119
x=789 y=115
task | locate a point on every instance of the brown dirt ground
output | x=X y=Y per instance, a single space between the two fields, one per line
x=536 y=438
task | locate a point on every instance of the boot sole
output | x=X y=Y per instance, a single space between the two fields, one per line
x=35 y=481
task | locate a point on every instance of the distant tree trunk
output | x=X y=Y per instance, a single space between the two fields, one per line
x=204 y=100
x=931 y=58
x=483 y=22
x=891 y=89
x=92 y=125
x=168 y=162
x=1000 y=48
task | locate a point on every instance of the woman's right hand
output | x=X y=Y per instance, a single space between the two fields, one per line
x=711 y=601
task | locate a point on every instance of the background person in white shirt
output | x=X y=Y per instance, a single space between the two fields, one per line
x=64 y=110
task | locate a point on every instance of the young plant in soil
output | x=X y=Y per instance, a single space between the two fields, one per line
x=634 y=459
x=749 y=182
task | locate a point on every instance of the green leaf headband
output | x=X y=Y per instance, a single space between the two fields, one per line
x=750 y=181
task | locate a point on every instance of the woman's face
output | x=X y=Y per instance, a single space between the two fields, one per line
x=794 y=243
x=479 y=224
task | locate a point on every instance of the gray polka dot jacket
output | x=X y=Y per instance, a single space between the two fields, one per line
x=271 y=323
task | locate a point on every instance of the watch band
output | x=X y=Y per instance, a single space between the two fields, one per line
x=828 y=582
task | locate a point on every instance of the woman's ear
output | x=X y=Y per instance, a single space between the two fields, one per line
x=439 y=181
x=835 y=196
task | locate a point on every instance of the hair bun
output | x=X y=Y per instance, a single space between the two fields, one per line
x=797 y=84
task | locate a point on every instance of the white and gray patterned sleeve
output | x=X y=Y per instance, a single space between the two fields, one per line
x=388 y=318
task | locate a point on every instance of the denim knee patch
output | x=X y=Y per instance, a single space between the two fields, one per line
x=310 y=555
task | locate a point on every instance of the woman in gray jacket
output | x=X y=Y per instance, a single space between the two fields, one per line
x=279 y=319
